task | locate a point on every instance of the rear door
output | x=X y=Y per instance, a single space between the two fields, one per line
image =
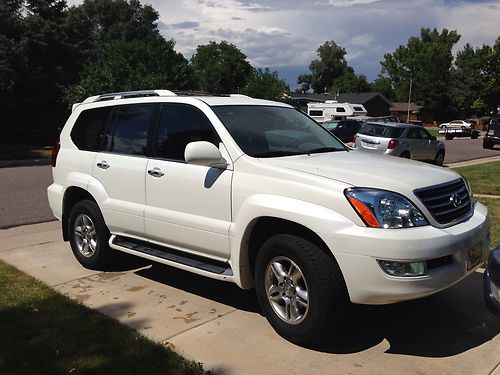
x=416 y=144
x=121 y=167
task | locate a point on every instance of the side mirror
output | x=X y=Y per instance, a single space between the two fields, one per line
x=204 y=153
x=491 y=282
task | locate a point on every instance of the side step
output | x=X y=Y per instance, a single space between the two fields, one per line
x=171 y=255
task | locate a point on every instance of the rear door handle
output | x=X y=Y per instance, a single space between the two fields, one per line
x=156 y=172
x=103 y=164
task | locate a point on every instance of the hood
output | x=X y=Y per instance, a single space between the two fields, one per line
x=363 y=169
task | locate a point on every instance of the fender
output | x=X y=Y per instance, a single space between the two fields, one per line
x=319 y=219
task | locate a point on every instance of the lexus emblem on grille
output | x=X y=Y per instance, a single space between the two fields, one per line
x=456 y=200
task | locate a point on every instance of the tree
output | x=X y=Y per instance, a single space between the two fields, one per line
x=383 y=85
x=265 y=84
x=426 y=60
x=330 y=65
x=221 y=68
x=350 y=82
x=134 y=65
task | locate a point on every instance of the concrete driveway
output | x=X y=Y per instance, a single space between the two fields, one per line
x=218 y=324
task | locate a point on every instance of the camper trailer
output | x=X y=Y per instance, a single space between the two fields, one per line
x=333 y=110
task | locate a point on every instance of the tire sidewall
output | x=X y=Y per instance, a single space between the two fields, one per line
x=304 y=331
x=99 y=258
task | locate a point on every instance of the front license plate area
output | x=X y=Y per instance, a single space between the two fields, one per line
x=475 y=255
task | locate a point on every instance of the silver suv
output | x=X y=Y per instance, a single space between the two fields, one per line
x=398 y=139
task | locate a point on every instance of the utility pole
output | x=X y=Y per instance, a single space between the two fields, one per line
x=409 y=101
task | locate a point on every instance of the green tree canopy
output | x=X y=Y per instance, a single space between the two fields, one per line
x=133 y=65
x=350 y=82
x=265 y=84
x=221 y=68
x=383 y=85
x=426 y=60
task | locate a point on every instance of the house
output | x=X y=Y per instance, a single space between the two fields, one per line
x=374 y=102
x=400 y=110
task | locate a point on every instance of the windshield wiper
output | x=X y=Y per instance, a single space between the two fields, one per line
x=269 y=154
x=323 y=149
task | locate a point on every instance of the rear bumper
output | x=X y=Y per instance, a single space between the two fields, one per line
x=367 y=283
x=55 y=196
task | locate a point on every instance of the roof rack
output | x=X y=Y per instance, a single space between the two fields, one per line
x=128 y=94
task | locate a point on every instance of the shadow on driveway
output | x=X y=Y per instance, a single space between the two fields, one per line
x=445 y=324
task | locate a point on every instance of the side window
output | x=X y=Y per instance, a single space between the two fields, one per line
x=414 y=134
x=128 y=130
x=424 y=134
x=316 y=112
x=90 y=127
x=181 y=124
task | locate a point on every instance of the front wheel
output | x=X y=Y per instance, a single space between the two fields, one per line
x=300 y=289
x=89 y=235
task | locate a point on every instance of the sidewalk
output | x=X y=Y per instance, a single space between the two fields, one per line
x=219 y=325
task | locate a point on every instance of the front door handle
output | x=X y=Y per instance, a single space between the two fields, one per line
x=103 y=164
x=156 y=172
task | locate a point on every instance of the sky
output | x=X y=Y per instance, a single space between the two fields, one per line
x=284 y=34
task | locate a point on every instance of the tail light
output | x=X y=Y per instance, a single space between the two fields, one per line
x=55 y=151
x=392 y=144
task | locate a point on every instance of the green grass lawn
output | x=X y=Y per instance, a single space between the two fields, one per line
x=433 y=132
x=44 y=332
x=485 y=179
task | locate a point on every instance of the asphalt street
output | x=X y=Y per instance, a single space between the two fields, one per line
x=23 y=192
x=461 y=149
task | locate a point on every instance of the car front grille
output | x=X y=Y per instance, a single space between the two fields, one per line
x=446 y=202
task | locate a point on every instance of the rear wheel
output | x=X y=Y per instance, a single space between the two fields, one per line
x=300 y=289
x=89 y=235
x=487 y=145
x=439 y=159
x=405 y=155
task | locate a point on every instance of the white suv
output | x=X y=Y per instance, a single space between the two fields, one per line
x=257 y=193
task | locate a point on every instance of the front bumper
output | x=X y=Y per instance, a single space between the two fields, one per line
x=357 y=253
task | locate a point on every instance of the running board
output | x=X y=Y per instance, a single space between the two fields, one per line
x=171 y=257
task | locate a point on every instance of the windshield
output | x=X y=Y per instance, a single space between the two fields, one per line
x=383 y=131
x=268 y=131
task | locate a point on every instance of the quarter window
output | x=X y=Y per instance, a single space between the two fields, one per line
x=181 y=124
x=90 y=127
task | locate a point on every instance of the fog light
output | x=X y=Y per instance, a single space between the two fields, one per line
x=404 y=269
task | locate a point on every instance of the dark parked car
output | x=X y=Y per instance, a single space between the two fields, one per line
x=492 y=136
x=492 y=282
x=343 y=129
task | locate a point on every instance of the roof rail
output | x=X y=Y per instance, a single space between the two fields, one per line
x=128 y=94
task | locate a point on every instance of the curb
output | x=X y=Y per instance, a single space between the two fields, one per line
x=466 y=163
x=24 y=163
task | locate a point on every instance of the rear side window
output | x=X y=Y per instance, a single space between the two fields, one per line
x=315 y=112
x=129 y=128
x=90 y=127
x=181 y=124
x=378 y=130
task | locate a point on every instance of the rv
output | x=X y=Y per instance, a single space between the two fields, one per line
x=333 y=110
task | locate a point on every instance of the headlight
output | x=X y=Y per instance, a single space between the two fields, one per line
x=384 y=209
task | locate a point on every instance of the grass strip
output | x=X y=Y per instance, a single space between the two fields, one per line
x=44 y=332
x=484 y=178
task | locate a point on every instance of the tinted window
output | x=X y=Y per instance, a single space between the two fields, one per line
x=358 y=109
x=378 y=130
x=129 y=128
x=180 y=125
x=315 y=113
x=340 y=109
x=89 y=128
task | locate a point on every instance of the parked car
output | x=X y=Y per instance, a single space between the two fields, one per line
x=400 y=139
x=257 y=193
x=492 y=136
x=384 y=119
x=491 y=282
x=456 y=124
x=343 y=129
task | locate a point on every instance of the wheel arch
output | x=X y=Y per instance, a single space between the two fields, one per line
x=72 y=195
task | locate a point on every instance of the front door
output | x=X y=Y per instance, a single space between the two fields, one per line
x=188 y=206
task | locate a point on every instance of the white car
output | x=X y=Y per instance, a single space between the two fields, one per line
x=256 y=193
x=456 y=124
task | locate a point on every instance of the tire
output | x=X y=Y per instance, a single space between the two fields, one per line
x=439 y=159
x=487 y=145
x=443 y=127
x=317 y=295
x=89 y=235
x=474 y=136
x=405 y=155
x=448 y=137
